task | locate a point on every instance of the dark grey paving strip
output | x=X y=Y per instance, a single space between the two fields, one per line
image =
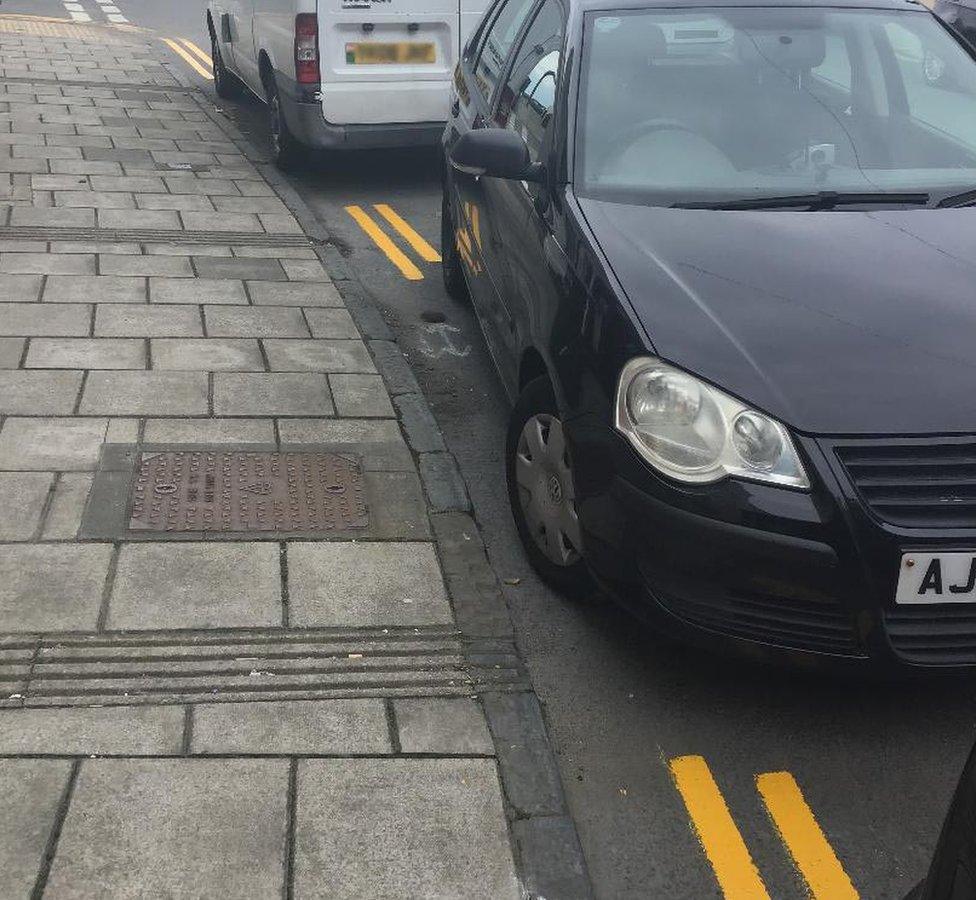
x=151 y=236
x=288 y=887
x=52 y=844
x=135 y=87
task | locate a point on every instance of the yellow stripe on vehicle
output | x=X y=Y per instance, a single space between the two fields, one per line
x=804 y=839
x=721 y=840
x=190 y=61
x=382 y=240
x=198 y=52
x=425 y=251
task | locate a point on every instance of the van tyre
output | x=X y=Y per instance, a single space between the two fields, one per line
x=227 y=85
x=542 y=493
x=286 y=152
x=451 y=265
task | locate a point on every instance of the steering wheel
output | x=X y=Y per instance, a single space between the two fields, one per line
x=628 y=138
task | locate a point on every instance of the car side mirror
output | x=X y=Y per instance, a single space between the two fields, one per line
x=496 y=152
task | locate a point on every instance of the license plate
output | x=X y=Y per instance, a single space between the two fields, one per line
x=937 y=578
x=401 y=53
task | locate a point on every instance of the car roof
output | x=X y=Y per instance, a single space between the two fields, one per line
x=588 y=5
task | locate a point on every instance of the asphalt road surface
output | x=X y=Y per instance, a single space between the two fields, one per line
x=638 y=724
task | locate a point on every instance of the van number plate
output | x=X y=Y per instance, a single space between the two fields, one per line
x=937 y=578
x=400 y=53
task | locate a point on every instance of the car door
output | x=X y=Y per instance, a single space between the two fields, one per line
x=476 y=84
x=521 y=253
x=240 y=18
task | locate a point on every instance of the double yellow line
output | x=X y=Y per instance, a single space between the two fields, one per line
x=193 y=56
x=393 y=253
x=737 y=874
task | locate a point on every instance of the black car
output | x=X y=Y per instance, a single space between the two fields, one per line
x=724 y=257
x=960 y=14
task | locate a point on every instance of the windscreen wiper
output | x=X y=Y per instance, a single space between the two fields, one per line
x=966 y=198
x=817 y=201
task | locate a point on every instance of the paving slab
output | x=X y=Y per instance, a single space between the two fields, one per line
x=92 y=200
x=359 y=583
x=318 y=356
x=293 y=293
x=145 y=393
x=361 y=396
x=94 y=289
x=262 y=269
x=331 y=323
x=121 y=730
x=39 y=217
x=161 y=220
x=340 y=431
x=393 y=828
x=51 y=444
x=271 y=394
x=67 y=507
x=196 y=290
x=35 y=319
x=166 y=266
x=86 y=353
x=174 y=828
x=346 y=727
x=11 y=351
x=207 y=354
x=51 y=587
x=20 y=288
x=38 y=393
x=442 y=725
x=196 y=585
x=219 y=221
x=305 y=270
x=133 y=320
x=210 y=431
x=245 y=321
x=179 y=202
x=23 y=496
x=47 y=263
x=31 y=791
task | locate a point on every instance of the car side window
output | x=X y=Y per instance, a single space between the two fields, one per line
x=528 y=97
x=497 y=43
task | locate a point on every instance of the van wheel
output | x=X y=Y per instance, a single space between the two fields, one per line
x=286 y=152
x=451 y=266
x=227 y=85
x=542 y=493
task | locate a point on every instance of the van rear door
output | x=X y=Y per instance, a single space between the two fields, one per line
x=387 y=61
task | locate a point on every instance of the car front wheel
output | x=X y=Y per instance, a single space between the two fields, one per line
x=285 y=149
x=542 y=493
x=227 y=85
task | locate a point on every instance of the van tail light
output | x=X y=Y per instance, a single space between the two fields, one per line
x=307 y=48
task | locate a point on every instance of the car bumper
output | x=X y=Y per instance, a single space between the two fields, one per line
x=768 y=571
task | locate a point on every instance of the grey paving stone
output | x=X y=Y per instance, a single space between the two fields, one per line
x=220 y=221
x=169 y=266
x=179 y=202
x=331 y=323
x=47 y=263
x=122 y=431
x=346 y=727
x=207 y=354
x=164 y=220
x=96 y=247
x=38 y=393
x=210 y=431
x=293 y=293
x=174 y=828
x=258 y=252
x=391 y=828
x=304 y=270
x=361 y=396
x=177 y=249
x=318 y=356
x=29 y=319
x=245 y=321
x=131 y=320
x=196 y=585
x=94 y=288
x=128 y=730
x=251 y=205
x=59 y=182
x=145 y=394
x=51 y=587
x=47 y=444
x=67 y=507
x=276 y=224
x=271 y=394
x=11 y=350
x=84 y=167
x=86 y=353
x=145 y=185
x=33 y=216
x=31 y=791
x=20 y=288
x=551 y=859
x=243 y=269
x=127 y=156
x=340 y=431
x=190 y=184
x=196 y=290
x=22 y=499
x=92 y=200
x=341 y=583
x=442 y=725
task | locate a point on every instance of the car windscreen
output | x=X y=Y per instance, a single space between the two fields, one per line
x=714 y=104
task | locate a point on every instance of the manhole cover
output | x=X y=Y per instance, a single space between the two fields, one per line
x=240 y=491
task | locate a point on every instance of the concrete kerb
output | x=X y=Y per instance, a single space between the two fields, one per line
x=546 y=846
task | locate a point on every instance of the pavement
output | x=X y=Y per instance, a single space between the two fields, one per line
x=250 y=643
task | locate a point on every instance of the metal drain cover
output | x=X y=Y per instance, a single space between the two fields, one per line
x=242 y=491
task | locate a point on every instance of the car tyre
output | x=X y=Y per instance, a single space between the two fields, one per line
x=451 y=266
x=286 y=151
x=542 y=493
x=227 y=85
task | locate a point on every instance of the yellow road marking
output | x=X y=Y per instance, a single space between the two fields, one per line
x=425 y=251
x=379 y=237
x=198 y=52
x=799 y=831
x=190 y=61
x=737 y=874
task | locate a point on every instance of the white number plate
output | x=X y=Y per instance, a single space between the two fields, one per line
x=937 y=578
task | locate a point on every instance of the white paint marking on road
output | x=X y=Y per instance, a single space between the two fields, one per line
x=77 y=12
x=115 y=17
x=442 y=334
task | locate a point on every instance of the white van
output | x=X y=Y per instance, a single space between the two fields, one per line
x=342 y=73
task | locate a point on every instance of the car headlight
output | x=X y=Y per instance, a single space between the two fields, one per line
x=693 y=432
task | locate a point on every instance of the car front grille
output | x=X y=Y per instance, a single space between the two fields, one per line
x=928 y=483
x=933 y=635
x=823 y=627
